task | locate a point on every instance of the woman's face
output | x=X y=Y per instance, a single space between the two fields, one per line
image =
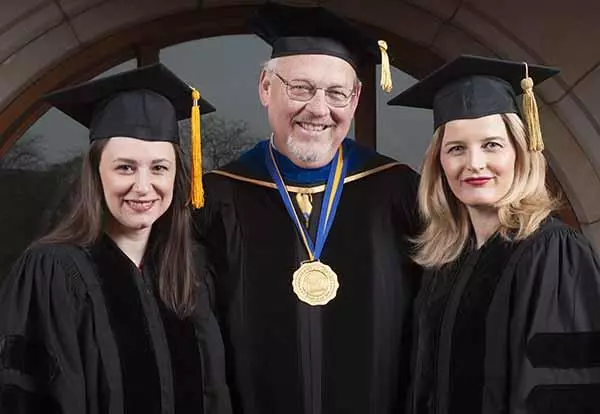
x=478 y=158
x=137 y=179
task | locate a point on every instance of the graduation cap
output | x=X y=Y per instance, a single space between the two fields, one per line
x=472 y=87
x=315 y=30
x=143 y=103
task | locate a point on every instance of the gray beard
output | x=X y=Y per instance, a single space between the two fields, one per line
x=309 y=152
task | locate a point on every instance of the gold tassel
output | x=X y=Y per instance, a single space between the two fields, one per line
x=197 y=187
x=386 y=72
x=531 y=114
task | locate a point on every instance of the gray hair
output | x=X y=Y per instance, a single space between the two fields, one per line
x=270 y=65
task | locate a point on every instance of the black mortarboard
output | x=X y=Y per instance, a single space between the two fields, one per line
x=143 y=103
x=316 y=30
x=472 y=87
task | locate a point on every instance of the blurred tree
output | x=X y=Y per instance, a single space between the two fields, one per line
x=25 y=154
x=222 y=140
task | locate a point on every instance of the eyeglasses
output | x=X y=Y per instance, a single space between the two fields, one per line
x=304 y=91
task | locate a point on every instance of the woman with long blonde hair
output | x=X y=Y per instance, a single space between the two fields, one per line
x=508 y=317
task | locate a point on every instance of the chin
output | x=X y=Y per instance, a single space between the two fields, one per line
x=138 y=224
x=310 y=152
x=480 y=203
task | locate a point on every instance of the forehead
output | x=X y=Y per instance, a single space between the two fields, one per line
x=137 y=149
x=317 y=68
x=478 y=128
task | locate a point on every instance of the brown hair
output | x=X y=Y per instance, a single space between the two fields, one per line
x=170 y=245
x=447 y=223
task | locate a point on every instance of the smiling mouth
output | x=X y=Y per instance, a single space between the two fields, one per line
x=478 y=180
x=140 y=206
x=313 y=127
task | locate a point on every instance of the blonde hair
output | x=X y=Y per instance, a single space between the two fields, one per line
x=445 y=218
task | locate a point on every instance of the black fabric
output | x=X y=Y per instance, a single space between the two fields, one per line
x=104 y=381
x=28 y=356
x=564 y=399
x=141 y=382
x=143 y=103
x=313 y=30
x=186 y=363
x=564 y=350
x=468 y=335
x=349 y=356
x=473 y=97
x=141 y=114
x=92 y=313
x=471 y=353
x=471 y=87
x=15 y=400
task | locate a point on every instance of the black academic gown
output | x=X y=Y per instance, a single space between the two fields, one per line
x=83 y=332
x=511 y=328
x=284 y=356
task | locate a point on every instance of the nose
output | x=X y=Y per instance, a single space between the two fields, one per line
x=476 y=160
x=142 y=181
x=318 y=105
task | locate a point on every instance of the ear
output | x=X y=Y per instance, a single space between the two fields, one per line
x=264 y=88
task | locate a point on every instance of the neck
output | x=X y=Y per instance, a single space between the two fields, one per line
x=485 y=223
x=132 y=243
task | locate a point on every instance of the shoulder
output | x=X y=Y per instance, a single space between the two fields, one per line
x=555 y=234
x=51 y=253
x=366 y=163
x=250 y=165
x=558 y=250
x=50 y=266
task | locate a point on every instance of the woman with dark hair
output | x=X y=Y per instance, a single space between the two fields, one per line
x=508 y=316
x=107 y=313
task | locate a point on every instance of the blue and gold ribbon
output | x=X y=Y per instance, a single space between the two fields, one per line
x=331 y=199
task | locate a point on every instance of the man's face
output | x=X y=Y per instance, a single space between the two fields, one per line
x=309 y=132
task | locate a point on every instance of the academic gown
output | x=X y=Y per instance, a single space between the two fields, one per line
x=511 y=328
x=284 y=356
x=84 y=332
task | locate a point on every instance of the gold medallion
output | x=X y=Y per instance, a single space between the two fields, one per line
x=315 y=283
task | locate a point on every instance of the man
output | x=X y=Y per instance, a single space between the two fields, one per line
x=307 y=237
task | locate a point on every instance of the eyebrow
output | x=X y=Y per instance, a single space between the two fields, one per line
x=311 y=82
x=125 y=160
x=132 y=161
x=487 y=139
x=161 y=160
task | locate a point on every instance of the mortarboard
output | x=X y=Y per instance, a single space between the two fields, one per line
x=315 y=30
x=472 y=87
x=143 y=103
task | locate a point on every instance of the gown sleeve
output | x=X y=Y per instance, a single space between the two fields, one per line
x=555 y=327
x=40 y=355
x=217 y=398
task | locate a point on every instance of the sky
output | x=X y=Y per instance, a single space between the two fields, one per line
x=225 y=69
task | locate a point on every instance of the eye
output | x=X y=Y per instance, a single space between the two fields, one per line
x=492 y=145
x=455 y=149
x=301 y=89
x=338 y=94
x=125 y=168
x=160 y=168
